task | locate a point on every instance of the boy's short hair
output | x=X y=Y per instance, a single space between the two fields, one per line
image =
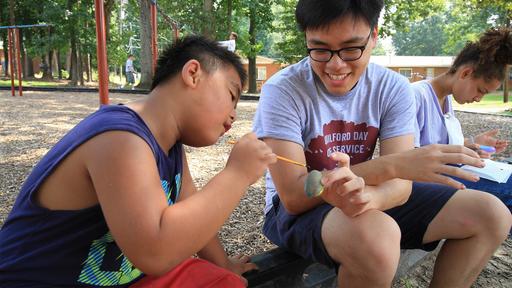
x=314 y=14
x=207 y=52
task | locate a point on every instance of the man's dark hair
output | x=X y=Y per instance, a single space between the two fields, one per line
x=207 y=52
x=315 y=14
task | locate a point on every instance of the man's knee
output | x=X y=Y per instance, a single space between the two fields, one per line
x=495 y=218
x=373 y=248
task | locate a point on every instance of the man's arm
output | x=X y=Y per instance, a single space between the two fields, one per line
x=387 y=192
x=289 y=179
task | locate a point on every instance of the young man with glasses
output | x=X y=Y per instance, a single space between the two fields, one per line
x=329 y=110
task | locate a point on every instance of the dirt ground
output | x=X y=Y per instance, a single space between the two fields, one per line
x=31 y=124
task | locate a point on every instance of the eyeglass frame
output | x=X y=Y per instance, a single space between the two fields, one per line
x=338 y=52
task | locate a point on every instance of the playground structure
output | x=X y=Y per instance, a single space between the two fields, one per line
x=14 y=50
x=101 y=45
x=13 y=47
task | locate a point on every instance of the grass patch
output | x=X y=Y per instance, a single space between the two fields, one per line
x=31 y=83
x=493 y=101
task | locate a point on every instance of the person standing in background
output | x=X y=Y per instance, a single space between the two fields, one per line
x=130 y=71
x=231 y=43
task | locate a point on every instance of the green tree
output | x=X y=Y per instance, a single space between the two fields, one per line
x=259 y=21
x=290 y=44
x=422 y=39
x=398 y=13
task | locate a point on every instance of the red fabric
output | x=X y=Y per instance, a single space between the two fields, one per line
x=193 y=273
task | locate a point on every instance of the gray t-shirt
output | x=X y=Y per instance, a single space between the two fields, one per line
x=295 y=106
x=430 y=115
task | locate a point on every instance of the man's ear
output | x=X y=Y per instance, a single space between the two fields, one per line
x=191 y=72
x=465 y=72
x=375 y=35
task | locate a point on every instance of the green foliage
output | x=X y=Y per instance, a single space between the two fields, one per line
x=379 y=50
x=290 y=46
x=398 y=13
x=425 y=38
x=430 y=27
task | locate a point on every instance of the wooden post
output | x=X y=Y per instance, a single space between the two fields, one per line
x=17 y=40
x=10 y=47
x=154 y=33
x=101 y=51
x=505 y=84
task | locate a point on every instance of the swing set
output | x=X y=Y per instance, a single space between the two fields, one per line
x=101 y=47
x=13 y=47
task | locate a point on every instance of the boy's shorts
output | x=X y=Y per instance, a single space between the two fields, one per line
x=193 y=273
x=302 y=233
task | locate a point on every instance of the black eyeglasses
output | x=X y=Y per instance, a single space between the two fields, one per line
x=346 y=54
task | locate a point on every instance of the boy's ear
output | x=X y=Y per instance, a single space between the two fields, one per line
x=191 y=72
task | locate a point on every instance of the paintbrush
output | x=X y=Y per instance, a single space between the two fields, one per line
x=312 y=186
x=280 y=157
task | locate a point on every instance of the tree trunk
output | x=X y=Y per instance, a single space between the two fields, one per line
x=72 y=26
x=5 y=65
x=12 y=22
x=146 y=58
x=252 y=56
x=23 y=57
x=28 y=66
x=230 y=15
x=50 y=64
x=108 y=6
x=59 y=65
x=505 y=84
x=209 y=22
x=88 y=67
x=80 y=67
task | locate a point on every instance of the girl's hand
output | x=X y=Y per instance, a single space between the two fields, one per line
x=489 y=139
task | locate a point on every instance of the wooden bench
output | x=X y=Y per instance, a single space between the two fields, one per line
x=281 y=268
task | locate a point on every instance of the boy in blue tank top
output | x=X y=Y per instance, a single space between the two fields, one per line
x=114 y=199
x=329 y=110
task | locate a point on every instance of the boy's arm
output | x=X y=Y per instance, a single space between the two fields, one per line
x=213 y=251
x=155 y=236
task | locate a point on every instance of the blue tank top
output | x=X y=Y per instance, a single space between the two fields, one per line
x=45 y=248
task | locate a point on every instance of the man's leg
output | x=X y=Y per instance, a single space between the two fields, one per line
x=475 y=224
x=367 y=246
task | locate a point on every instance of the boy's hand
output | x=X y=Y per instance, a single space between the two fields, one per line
x=240 y=264
x=250 y=158
x=344 y=189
